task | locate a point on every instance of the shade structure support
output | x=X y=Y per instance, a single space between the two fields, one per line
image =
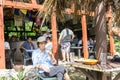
x=54 y=35
x=2 y=50
x=84 y=36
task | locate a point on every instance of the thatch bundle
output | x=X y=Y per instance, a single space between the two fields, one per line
x=116 y=30
x=58 y=6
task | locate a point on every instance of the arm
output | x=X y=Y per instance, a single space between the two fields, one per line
x=51 y=56
x=45 y=68
x=22 y=46
x=73 y=36
x=60 y=37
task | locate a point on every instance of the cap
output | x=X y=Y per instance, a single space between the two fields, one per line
x=41 y=39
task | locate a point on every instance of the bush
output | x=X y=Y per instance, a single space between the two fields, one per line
x=117 y=45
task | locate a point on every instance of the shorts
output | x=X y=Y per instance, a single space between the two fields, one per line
x=65 y=47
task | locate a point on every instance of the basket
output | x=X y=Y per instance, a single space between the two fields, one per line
x=91 y=61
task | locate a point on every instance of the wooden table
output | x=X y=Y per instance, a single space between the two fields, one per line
x=29 y=51
x=98 y=72
x=79 y=48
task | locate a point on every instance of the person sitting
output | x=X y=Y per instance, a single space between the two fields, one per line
x=47 y=33
x=44 y=59
x=80 y=42
x=48 y=45
x=7 y=45
x=28 y=45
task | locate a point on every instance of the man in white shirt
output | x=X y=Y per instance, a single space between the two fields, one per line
x=47 y=34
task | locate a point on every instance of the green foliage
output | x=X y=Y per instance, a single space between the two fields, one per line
x=3 y=78
x=20 y=75
x=117 y=45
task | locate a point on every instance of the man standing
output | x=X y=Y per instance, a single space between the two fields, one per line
x=44 y=60
x=65 y=38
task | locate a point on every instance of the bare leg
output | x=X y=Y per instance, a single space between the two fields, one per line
x=68 y=54
x=68 y=57
x=66 y=76
x=63 y=57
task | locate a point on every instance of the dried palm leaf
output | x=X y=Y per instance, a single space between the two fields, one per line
x=50 y=6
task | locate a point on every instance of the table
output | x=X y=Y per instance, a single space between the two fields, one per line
x=79 y=54
x=98 y=72
x=29 y=51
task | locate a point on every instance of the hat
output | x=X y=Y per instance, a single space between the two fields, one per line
x=41 y=39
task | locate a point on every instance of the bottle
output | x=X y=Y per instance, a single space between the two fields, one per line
x=103 y=58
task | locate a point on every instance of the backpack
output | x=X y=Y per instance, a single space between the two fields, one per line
x=67 y=38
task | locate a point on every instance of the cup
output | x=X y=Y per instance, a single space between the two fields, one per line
x=103 y=58
x=72 y=56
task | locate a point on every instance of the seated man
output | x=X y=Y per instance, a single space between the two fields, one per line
x=43 y=60
x=48 y=45
x=28 y=45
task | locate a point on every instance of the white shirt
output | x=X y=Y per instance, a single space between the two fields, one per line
x=47 y=35
x=7 y=45
x=48 y=46
x=80 y=42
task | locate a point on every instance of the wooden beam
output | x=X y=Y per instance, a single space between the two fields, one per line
x=34 y=5
x=84 y=36
x=22 y=5
x=2 y=50
x=54 y=35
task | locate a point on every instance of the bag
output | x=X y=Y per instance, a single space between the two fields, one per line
x=116 y=58
x=67 y=38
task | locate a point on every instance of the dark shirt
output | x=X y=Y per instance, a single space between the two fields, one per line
x=28 y=45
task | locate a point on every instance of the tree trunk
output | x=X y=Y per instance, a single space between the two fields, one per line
x=100 y=28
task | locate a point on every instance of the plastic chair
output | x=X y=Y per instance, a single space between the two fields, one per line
x=13 y=54
x=8 y=59
x=25 y=55
x=39 y=77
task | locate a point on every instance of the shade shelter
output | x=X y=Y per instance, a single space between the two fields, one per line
x=34 y=5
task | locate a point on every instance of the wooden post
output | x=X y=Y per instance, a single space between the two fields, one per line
x=84 y=34
x=112 y=46
x=54 y=35
x=2 y=50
